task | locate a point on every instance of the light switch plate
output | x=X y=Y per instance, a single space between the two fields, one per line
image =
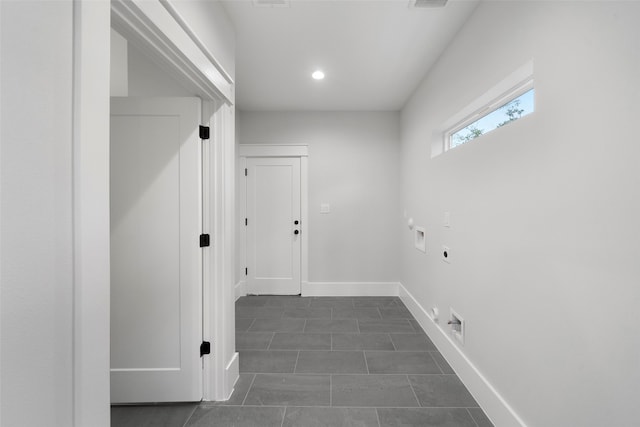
x=446 y=221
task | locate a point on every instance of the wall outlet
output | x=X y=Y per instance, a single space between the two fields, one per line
x=456 y=323
x=445 y=254
x=325 y=208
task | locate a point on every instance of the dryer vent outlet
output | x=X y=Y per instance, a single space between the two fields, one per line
x=456 y=323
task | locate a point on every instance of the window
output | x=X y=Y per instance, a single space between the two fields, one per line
x=517 y=103
x=507 y=101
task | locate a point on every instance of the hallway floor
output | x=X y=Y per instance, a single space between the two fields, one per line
x=330 y=361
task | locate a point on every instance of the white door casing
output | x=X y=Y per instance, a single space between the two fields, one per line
x=91 y=259
x=273 y=206
x=156 y=262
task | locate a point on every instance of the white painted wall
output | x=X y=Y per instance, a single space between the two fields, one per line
x=353 y=166
x=146 y=79
x=119 y=75
x=36 y=200
x=134 y=74
x=210 y=22
x=54 y=262
x=544 y=212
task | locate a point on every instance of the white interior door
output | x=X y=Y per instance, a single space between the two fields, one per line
x=156 y=284
x=274 y=231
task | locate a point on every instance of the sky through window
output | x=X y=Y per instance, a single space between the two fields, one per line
x=503 y=115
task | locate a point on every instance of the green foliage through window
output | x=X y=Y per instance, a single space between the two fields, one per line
x=505 y=114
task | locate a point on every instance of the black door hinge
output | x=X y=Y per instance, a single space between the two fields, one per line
x=245 y=171
x=205 y=348
x=246 y=271
x=204 y=240
x=204 y=132
x=246 y=222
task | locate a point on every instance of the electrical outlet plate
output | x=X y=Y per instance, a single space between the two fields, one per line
x=446 y=254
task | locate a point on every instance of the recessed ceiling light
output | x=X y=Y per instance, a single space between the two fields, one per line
x=318 y=75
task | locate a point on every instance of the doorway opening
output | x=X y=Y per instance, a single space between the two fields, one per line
x=189 y=185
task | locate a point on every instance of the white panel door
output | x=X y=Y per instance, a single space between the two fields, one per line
x=156 y=282
x=274 y=231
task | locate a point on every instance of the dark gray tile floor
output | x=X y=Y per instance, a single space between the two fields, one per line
x=333 y=361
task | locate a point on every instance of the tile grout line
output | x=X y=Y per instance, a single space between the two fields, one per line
x=409 y=322
x=251 y=324
x=378 y=417
x=249 y=389
x=284 y=414
x=296 y=364
x=195 y=407
x=345 y=373
x=247 y=392
x=338 y=407
x=414 y=392
x=273 y=334
x=473 y=419
x=331 y=392
x=389 y=334
x=436 y=362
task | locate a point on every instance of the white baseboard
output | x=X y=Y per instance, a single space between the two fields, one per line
x=349 y=289
x=493 y=404
x=240 y=289
x=231 y=375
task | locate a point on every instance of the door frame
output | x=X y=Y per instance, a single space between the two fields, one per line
x=163 y=35
x=187 y=60
x=273 y=150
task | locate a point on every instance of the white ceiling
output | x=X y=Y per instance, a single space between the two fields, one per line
x=374 y=52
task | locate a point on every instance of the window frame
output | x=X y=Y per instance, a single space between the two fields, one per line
x=488 y=108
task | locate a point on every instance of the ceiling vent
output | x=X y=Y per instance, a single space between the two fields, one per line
x=271 y=3
x=427 y=3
